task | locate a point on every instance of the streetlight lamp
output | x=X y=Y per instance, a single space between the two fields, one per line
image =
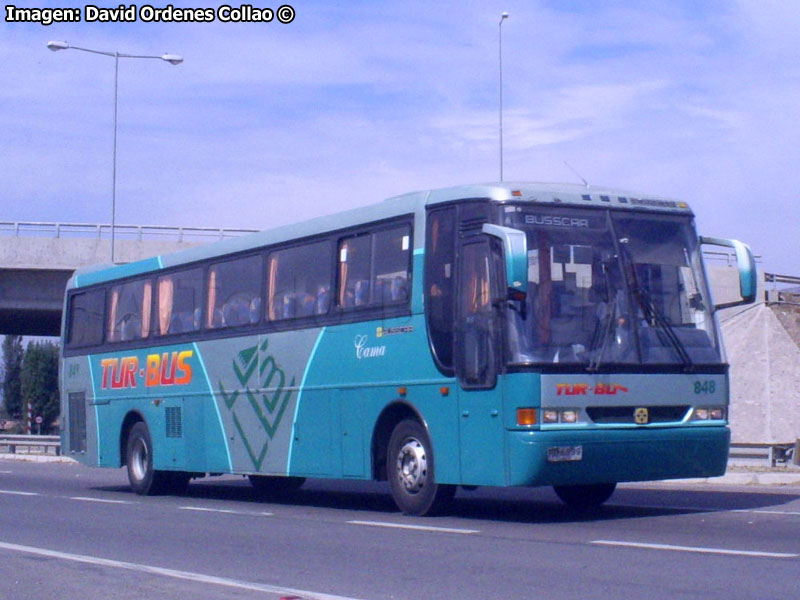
x=173 y=59
x=503 y=17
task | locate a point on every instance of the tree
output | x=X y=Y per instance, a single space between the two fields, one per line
x=12 y=390
x=39 y=380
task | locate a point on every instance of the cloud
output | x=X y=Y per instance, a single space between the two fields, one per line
x=266 y=124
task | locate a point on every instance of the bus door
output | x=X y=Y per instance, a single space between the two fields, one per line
x=477 y=358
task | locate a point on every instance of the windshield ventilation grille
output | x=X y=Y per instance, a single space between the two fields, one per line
x=625 y=414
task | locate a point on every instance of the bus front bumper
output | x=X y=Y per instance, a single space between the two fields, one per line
x=570 y=457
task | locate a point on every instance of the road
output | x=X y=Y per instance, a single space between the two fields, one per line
x=68 y=531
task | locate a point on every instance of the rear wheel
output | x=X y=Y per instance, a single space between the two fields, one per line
x=583 y=497
x=144 y=479
x=411 y=473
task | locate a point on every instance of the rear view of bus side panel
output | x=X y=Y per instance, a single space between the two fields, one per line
x=78 y=417
x=168 y=389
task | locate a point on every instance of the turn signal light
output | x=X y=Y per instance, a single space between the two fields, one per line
x=526 y=416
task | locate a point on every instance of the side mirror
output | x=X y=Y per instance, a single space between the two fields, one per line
x=748 y=277
x=515 y=246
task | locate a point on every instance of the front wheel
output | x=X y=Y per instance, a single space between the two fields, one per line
x=410 y=468
x=584 y=497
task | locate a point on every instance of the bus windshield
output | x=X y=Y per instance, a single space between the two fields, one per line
x=609 y=288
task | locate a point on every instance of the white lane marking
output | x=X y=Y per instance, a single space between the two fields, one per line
x=767 y=512
x=102 y=500
x=414 y=527
x=227 y=511
x=674 y=507
x=700 y=550
x=16 y=493
x=707 y=509
x=185 y=575
x=6 y=472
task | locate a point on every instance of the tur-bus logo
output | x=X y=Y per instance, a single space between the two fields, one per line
x=167 y=368
x=582 y=389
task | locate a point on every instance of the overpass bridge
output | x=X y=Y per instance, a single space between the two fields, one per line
x=37 y=259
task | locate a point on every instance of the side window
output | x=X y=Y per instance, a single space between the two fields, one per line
x=477 y=338
x=178 y=302
x=299 y=282
x=234 y=293
x=392 y=254
x=129 y=309
x=475 y=296
x=354 y=271
x=374 y=268
x=86 y=319
x=439 y=283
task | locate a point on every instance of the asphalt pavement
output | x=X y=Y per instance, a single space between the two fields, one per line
x=69 y=531
x=737 y=474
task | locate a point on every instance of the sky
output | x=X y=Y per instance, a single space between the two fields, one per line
x=270 y=123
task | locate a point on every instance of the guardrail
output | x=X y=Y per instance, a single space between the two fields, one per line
x=42 y=443
x=772 y=454
x=103 y=230
x=775 y=278
x=728 y=258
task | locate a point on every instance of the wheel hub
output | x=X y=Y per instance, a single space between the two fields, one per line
x=139 y=460
x=412 y=466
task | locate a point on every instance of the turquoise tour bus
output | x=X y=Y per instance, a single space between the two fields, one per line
x=507 y=334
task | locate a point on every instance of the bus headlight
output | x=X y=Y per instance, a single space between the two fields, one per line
x=708 y=413
x=551 y=416
x=569 y=416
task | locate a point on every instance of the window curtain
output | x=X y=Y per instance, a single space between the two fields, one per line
x=166 y=292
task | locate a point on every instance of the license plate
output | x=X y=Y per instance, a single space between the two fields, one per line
x=564 y=453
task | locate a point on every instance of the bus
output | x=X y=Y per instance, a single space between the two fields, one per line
x=505 y=334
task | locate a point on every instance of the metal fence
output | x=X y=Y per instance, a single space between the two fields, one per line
x=729 y=258
x=130 y=232
x=30 y=444
x=770 y=455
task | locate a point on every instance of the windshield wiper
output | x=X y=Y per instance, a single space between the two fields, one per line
x=651 y=313
x=611 y=316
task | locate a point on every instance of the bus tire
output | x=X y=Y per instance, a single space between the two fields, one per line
x=273 y=487
x=584 y=497
x=143 y=478
x=411 y=473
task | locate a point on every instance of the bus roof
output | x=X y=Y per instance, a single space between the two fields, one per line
x=559 y=193
x=414 y=202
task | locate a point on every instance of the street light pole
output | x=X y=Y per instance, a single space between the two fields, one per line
x=114 y=160
x=173 y=59
x=503 y=17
